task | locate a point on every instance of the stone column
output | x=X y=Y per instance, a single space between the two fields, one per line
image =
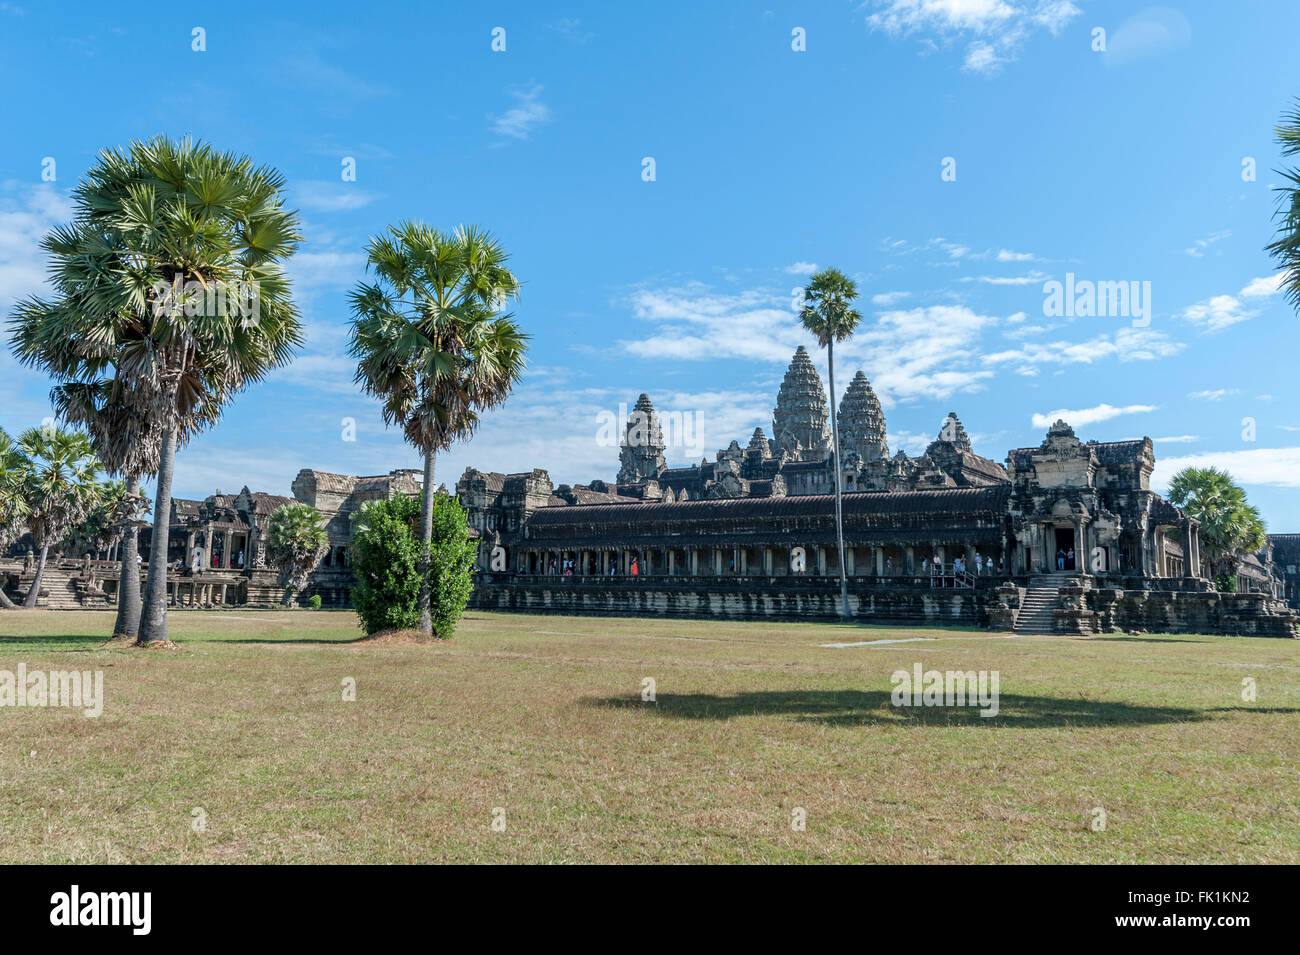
x=223 y=595
x=693 y=561
x=880 y=560
x=767 y=562
x=850 y=561
x=909 y=559
x=1189 y=548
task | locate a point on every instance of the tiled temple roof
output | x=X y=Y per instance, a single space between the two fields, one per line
x=945 y=501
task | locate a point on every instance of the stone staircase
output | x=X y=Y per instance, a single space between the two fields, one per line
x=1037 y=610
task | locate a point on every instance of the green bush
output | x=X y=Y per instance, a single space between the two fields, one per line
x=1227 y=583
x=386 y=557
x=314 y=602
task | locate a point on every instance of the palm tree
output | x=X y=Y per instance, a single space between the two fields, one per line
x=13 y=503
x=59 y=478
x=92 y=395
x=829 y=314
x=295 y=543
x=433 y=344
x=1286 y=247
x=1230 y=527
x=176 y=257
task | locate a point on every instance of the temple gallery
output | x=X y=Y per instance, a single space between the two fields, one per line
x=1066 y=536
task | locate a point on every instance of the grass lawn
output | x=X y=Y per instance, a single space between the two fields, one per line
x=541 y=717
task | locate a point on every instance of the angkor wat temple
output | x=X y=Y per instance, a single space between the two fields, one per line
x=1064 y=537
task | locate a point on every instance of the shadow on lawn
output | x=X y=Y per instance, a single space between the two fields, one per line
x=1140 y=640
x=858 y=708
x=87 y=640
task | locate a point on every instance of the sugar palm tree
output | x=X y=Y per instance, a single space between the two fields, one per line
x=1231 y=528
x=176 y=256
x=433 y=344
x=829 y=314
x=13 y=503
x=59 y=478
x=295 y=543
x=1286 y=247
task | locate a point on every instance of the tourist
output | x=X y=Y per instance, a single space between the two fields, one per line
x=635 y=569
x=196 y=561
x=979 y=564
x=1069 y=559
x=1060 y=559
x=889 y=566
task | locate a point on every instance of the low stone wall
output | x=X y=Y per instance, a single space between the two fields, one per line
x=1255 y=615
x=883 y=600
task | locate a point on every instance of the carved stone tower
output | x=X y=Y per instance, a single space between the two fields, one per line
x=799 y=422
x=862 y=423
x=642 y=454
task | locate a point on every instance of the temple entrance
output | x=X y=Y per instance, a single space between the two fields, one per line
x=1061 y=559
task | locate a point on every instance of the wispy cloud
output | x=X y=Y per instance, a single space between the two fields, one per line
x=1197 y=248
x=1279 y=467
x=996 y=30
x=526 y=115
x=325 y=196
x=1223 y=311
x=801 y=268
x=1215 y=394
x=1082 y=417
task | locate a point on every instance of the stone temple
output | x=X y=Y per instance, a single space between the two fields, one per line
x=1065 y=537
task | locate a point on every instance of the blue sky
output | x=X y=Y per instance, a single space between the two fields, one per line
x=1122 y=165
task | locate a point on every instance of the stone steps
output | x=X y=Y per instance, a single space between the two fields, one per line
x=1037 y=611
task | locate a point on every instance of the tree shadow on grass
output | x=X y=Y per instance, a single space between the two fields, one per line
x=864 y=708
x=88 y=640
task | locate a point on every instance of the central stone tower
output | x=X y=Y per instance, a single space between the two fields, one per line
x=800 y=425
x=642 y=454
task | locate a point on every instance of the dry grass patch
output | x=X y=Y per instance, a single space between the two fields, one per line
x=542 y=717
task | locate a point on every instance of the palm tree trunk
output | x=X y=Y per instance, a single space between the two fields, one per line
x=128 y=577
x=153 y=612
x=426 y=536
x=839 y=480
x=5 y=602
x=35 y=592
x=287 y=599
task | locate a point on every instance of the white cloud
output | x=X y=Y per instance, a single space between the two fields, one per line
x=1006 y=255
x=801 y=268
x=996 y=29
x=1223 y=311
x=27 y=213
x=1215 y=394
x=886 y=299
x=1124 y=345
x=315 y=270
x=1275 y=466
x=1033 y=278
x=527 y=114
x=1198 y=247
x=324 y=196
x=1178 y=439
x=1082 y=417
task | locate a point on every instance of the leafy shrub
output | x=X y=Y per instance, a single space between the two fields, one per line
x=1227 y=583
x=385 y=553
x=314 y=602
x=386 y=559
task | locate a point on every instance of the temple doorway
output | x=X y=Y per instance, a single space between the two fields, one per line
x=1061 y=559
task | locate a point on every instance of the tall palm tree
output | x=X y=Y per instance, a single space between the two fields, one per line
x=433 y=343
x=13 y=502
x=295 y=543
x=1230 y=527
x=829 y=314
x=59 y=475
x=1286 y=247
x=176 y=256
x=91 y=394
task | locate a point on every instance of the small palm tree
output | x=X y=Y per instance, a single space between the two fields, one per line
x=433 y=344
x=1230 y=527
x=1286 y=247
x=13 y=502
x=172 y=276
x=59 y=480
x=295 y=543
x=829 y=314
